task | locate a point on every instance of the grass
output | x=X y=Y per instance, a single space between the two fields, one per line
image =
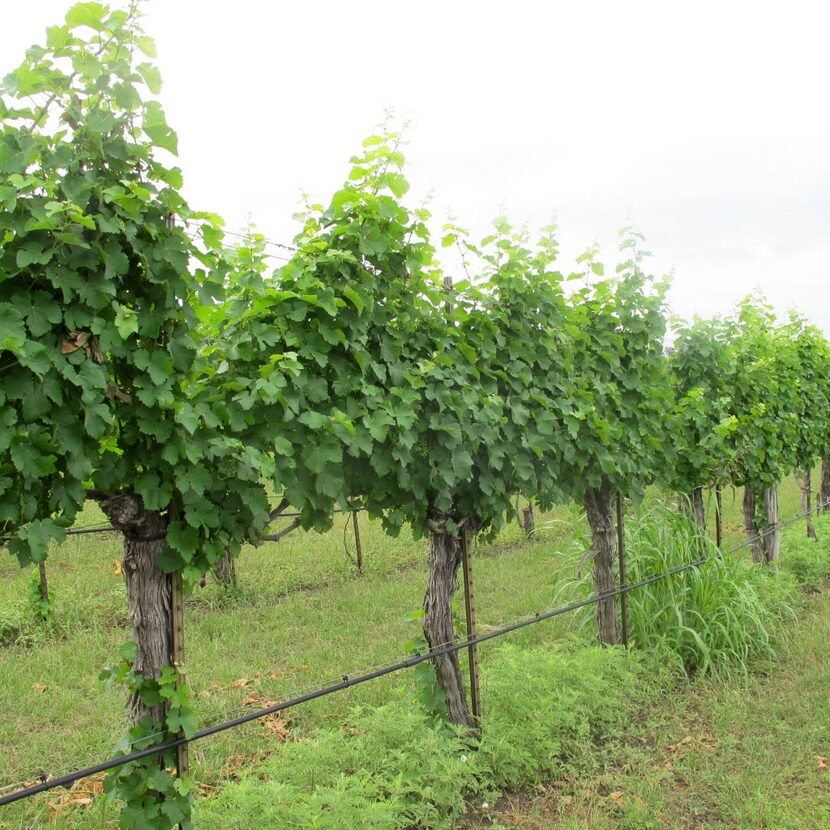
x=715 y=618
x=300 y=618
x=388 y=768
x=714 y=755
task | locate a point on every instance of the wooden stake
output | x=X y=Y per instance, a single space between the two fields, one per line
x=44 y=585
x=177 y=593
x=623 y=575
x=470 y=609
x=357 y=545
x=718 y=517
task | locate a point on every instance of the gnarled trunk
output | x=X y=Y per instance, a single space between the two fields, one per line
x=149 y=593
x=225 y=570
x=698 y=509
x=599 y=508
x=528 y=520
x=825 y=483
x=771 y=540
x=43 y=581
x=802 y=477
x=442 y=570
x=753 y=535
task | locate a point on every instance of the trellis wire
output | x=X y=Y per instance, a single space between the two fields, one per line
x=348 y=682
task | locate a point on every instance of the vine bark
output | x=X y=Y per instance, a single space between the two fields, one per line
x=698 y=509
x=149 y=593
x=442 y=581
x=771 y=540
x=824 y=493
x=753 y=535
x=225 y=570
x=802 y=477
x=599 y=508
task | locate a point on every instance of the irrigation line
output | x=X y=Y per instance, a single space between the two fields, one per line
x=348 y=682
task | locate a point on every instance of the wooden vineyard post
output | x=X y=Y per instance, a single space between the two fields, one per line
x=623 y=574
x=177 y=611
x=470 y=610
x=528 y=520
x=718 y=517
x=358 y=548
x=44 y=584
x=177 y=602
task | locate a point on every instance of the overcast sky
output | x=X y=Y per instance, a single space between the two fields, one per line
x=708 y=121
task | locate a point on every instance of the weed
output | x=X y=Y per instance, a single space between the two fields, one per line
x=718 y=616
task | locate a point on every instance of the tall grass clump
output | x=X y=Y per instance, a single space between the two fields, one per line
x=808 y=560
x=716 y=617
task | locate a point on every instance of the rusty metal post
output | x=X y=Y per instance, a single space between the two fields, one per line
x=470 y=609
x=177 y=602
x=718 y=517
x=357 y=544
x=623 y=574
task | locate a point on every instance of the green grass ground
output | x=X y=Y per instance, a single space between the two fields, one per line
x=300 y=618
x=713 y=756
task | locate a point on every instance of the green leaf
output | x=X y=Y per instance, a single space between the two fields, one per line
x=282 y=446
x=157 y=130
x=151 y=77
x=35 y=356
x=43 y=314
x=38 y=534
x=127 y=651
x=126 y=320
x=12 y=330
x=182 y=720
x=397 y=184
x=8 y=198
x=147 y=46
x=33 y=254
x=319 y=456
x=312 y=419
x=87 y=14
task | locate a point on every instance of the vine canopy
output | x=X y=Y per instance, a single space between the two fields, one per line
x=98 y=298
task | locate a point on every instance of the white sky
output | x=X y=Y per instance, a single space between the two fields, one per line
x=708 y=121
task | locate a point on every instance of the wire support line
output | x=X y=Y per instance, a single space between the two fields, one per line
x=75 y=531
x=194 y=238
x=251 y=237
x=107 y=528
x=351 y=681
x=336 y=511
x=214 y=717
x=346 y=683
x=265 y=239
